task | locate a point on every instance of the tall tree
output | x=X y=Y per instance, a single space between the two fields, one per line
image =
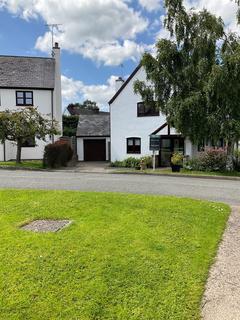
x=20 y=125
x=76 y=108
x=187 y=76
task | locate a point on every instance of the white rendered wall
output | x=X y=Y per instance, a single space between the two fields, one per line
x=80 y=147
x=126 y=124
x=42 y=100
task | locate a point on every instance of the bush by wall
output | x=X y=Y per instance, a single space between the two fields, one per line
x=212 y=159
x=132 y=162
x=57 y=154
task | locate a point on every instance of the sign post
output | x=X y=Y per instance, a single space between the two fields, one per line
x=154 y=146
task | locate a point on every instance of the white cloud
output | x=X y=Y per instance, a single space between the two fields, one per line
x=95 y=29
x=75 y=91
x=150 y=5
x=226 y=9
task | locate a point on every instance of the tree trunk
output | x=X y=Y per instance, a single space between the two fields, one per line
x=230 y=154
x=19 y=149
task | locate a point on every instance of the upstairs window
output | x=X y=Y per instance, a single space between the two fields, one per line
x=133 y=145
x=24 y=98
x=144 y=110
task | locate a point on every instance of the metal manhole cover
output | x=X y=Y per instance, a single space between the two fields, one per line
x=46 y=225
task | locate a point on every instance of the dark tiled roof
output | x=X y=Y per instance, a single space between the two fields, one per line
x=27 y=72
x=94 y=125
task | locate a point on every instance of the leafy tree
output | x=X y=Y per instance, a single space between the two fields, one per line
x=20 y=125
x=188 y=76
x=70 y=124
x=75 y=108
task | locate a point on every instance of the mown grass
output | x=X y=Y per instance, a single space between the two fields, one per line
x=32 y=164
x=125 y=256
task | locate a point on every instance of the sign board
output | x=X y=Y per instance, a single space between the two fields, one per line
x=154 y=143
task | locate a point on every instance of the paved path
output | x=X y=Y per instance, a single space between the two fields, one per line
x=221 y=300
x=216 y=190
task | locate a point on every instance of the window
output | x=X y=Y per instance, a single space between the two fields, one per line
x=133 y=145
x=147 y=110
x=29 y=143
x=24 y=98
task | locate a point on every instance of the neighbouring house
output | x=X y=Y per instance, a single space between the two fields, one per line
x=31 y=81
x=93 y=136
x=132 y=123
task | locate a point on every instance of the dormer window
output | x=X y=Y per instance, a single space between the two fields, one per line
x=24 y=98
x=144 y=110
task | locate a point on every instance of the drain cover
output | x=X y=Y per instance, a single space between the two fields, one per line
x=46 y=225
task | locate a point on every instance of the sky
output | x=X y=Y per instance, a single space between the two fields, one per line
x=100 y=39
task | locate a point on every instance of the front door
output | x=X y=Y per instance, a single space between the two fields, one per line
x=169 y=145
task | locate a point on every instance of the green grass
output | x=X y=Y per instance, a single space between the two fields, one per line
x=32 y=164
x=124 y=257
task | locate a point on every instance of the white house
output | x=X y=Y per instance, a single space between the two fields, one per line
x=132 y=123
x=31 y=81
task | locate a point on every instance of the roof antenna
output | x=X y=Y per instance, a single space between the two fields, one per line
x=53 y=27
x=122 y=69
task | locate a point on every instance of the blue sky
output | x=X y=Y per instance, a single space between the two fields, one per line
x=97 y=37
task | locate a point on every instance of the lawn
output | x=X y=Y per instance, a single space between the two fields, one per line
x=32 y=164
x=124 y=256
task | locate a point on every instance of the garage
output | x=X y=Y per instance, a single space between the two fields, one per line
x=94 y=149
x=93 y=137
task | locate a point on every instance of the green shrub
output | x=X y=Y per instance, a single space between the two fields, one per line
x=147 y=161
x=132 y=162
x=177 y=159
x=57 y=154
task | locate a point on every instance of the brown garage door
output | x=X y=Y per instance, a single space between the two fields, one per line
x=95 y=150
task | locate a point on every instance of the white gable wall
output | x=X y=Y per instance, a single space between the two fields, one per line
x=126 y=124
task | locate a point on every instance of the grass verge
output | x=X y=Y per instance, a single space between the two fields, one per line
x=182 y=172
x=124 y=257
x=30 y=164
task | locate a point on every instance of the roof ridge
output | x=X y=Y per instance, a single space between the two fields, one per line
x=27 y=57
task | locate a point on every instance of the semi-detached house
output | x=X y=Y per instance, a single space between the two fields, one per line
x=31 y=81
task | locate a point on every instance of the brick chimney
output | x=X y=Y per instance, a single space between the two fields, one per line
x=119 y=83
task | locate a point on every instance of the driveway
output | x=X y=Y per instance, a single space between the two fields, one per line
x=210 y=189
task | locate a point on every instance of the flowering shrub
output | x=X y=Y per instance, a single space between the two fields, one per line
x=212 y=159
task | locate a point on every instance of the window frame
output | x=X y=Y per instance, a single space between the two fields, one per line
x=136 y=149
x=154 y=112
x=24 y=98
x=29 y=143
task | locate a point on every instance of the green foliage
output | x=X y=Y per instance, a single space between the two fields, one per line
x=70 y=124
x=209 y=160
x=19 y=125
x=132 y=162
x=194 y=79
x=177 y=159
x=124 y=257
x=57 y=154
x=75 y=108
